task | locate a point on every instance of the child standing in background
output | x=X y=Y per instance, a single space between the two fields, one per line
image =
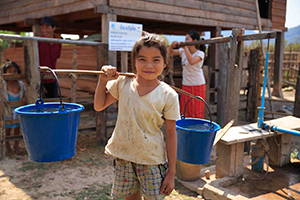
x=14 y=90
x=144 y=162
x=193 y=81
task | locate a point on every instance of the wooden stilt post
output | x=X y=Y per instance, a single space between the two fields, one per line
x=213 y=63
x=101 y=117
x=254 y=88
x=1 y=57
x=36 y=29
x=106 y=18
x=297 y=96
x=124 y=61
x=74 y=79
x=221 y=89
x=233 y=83
x=104 y=57
x=2 y=122
x=32 y=74
x=278 y=65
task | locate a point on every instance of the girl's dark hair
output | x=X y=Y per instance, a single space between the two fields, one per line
x=196 y=36
x=10 y=64
x=150 y=40
x=202 y=47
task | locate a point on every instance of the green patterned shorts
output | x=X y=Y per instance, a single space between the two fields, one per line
x=131 y=177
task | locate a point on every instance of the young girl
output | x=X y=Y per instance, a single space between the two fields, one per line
x=145 y=103
x=193 y=80
x=14 y=90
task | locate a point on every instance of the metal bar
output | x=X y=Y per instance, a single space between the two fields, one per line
x=52 y=40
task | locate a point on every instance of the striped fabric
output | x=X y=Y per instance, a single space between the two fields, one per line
x=195 y=108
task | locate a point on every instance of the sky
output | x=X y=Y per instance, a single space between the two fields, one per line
x=292 y=13
x=292 y=20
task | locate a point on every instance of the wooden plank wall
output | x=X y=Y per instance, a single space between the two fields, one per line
x=224 y=13
x=278 y=14
x=18 y=10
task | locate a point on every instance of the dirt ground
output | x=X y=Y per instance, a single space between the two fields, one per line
x=88 y=175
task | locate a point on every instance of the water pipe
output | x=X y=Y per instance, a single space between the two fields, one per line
x=260 y=120
x=276 y=128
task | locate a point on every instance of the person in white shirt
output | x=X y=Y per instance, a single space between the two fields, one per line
x=144 y=161
x=193 y=81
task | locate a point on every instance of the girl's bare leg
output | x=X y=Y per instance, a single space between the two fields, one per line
x=8 y=148
x=136 y=196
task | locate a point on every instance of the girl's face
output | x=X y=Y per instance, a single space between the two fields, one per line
x=188 y=38
x=149 y=63
x=12 y=70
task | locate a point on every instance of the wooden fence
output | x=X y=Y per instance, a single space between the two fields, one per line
x=291 y=61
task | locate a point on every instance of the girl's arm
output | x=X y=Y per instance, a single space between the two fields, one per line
x=192 y=60
x=172 y=51
x=171 y=145
x=103 y=98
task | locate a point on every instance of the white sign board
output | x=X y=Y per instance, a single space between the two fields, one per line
x=122 y=36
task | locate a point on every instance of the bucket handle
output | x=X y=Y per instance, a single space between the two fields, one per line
x=210 y=116
x=61 y=107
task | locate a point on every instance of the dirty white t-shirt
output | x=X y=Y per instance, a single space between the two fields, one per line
x=192 y=74
x=137 y=136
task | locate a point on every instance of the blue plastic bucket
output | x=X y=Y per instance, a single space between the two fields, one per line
x=50 y=134
x=50 y=129
x=195 y=138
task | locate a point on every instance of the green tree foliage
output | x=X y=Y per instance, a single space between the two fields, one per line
x=166 y=40
x=295 y=47
x=4 y=43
